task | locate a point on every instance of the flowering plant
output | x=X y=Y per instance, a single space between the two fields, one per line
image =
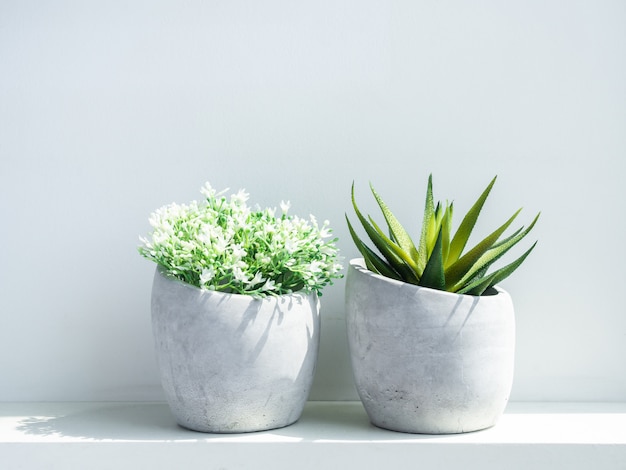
x=222 y=244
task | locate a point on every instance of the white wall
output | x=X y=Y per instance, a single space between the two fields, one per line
x=110 y=109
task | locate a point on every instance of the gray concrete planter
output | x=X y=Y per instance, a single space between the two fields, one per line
x=231 y=363
x=428 y=361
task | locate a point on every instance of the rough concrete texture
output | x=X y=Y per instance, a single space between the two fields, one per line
x=231 y=363
x=428 y=361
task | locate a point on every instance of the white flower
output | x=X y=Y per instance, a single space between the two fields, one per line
x=207 y=276
x=220 y=245
x=315 y=267
x=240 y=198
x=268 y=228
x=204 y=238
x=291 y=246
x=239 y=274
x=208 y=191
x=188 y=246
x=269 y=285
x=257 y=279
x=213 y=232
x=325 y=232
x=284 y=206
x=262 y=258
x=145 y=242
x=238 y=251
x=328 y=250
x=159 y=238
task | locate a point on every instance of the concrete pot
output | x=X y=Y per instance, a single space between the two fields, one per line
x=427 y=361
x=230 y=363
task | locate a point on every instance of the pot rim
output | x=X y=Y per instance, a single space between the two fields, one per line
x=162 y=272
x=358 y=264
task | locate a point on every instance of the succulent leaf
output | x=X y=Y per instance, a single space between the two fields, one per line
x=458 y=269
x=386 y=247
x=505 y=240
x=397 y=250
x=446 y=230
x=373 y=262
x=433 y=275
x=429 y=211
x=438 y=260
x=502 y=273
x=467 y=225
x=479 y=286
x=396 y=230
x=492 y=255
x=433 y=229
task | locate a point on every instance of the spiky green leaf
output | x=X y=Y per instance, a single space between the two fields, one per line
x=373 y=262
x=385 y=246
x=458 y=269
x=438 y=262
x=479 y=286
x=492 y=255
x=433 y=275
x=467 y=225
x=396 y=230
x=403 y=255
x=502 y=273
x=429 y=211
x=433 y=229
x=446 y=229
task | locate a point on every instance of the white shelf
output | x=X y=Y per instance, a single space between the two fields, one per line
x=329 y=435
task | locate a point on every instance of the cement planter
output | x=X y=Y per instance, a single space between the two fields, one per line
x=428 y=361
x=231 y=363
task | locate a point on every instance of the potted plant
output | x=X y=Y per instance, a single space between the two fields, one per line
x=431 y=333
x=235 y=310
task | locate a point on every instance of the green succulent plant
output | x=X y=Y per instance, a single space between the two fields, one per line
x=438 y=261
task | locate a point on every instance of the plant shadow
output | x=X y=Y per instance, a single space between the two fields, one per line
x=132 y=422
x=145 y=422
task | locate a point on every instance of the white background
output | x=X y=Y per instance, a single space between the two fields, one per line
x=109 y=110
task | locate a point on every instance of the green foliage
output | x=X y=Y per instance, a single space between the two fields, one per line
x=439 y=260
x=224 y=245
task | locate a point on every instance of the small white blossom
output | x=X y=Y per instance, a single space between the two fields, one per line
x=220 y=245
x=240 y=198
x=291 y=245
x=239 y=274
x=268 y=286
x=262 y=258
x=325 y=231
x=208 y=191
x=257 y=279
x=315 y=267
x=188 y=246
x=268 y=228
x=238 y=251
x=207 y=276
x=145 y=242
